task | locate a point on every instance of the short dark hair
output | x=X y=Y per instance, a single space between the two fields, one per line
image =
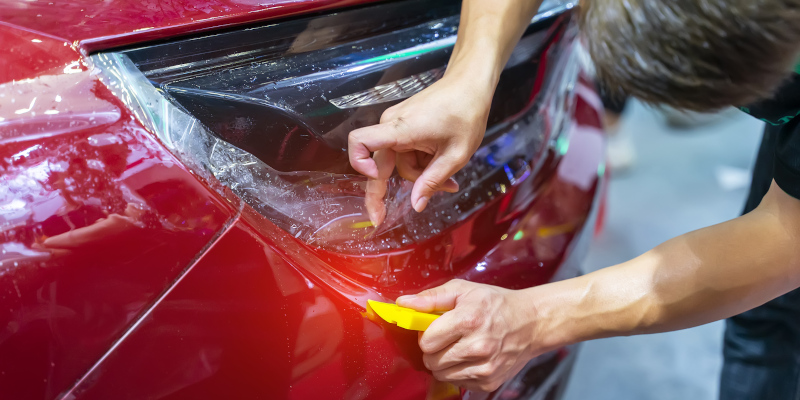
x=692 y=54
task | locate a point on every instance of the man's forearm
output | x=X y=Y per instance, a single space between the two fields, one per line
x=703 y=276
x=488 y=32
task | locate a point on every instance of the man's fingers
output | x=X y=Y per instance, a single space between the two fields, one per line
x=434 y=361
x=373 y=200
x=376 y=188
x=362 y=142
x=440 y=298
x=442 y=333
x=462 y=351
x=451 y=326
x=477 y=374
x=390 y=113
x=433 y=178
x=384 y=160
x=450 y=186
x=409 y=168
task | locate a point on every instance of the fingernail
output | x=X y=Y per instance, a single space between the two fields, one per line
x=372 y=219
x=451 y=185
x=406 y=298
x=377 y=217
x=421 y=203
x=381 y=216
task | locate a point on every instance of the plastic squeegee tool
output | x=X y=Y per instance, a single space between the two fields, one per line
x=401 y=316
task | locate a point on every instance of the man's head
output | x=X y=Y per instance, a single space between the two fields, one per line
x=693 y=54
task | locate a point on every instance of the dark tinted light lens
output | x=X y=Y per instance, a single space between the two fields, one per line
x=274 y=130
x=291 y=101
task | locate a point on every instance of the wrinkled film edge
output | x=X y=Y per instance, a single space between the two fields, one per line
x=255 y=182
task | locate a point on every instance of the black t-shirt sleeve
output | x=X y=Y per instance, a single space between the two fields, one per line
x=782 y=115
x=787 y=158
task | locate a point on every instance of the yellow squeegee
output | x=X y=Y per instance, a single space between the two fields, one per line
x=403 y=317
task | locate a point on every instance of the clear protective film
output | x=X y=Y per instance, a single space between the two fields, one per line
x=324 y=208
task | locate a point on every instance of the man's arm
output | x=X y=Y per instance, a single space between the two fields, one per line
x=488 y=32
x=432 y=135
x=696 y=278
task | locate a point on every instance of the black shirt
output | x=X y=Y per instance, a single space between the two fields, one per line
x=779 y=155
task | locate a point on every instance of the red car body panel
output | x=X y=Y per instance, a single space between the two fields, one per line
x=250 y=320
x=124 y=275
x=91 y=25
x=98 y=220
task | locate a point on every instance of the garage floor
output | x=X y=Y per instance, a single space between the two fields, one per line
x=684 y=179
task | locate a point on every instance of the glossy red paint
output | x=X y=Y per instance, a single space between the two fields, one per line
x=92 y=25
x=96 y=220
x=245 y=323
x=261 y=315
x=25 y=54
x=123 y=275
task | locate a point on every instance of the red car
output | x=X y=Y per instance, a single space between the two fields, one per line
x=178 y=219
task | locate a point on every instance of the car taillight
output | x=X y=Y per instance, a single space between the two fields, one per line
x=267 y=111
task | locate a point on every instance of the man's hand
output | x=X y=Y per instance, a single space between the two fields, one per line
x=429 y=137
x=433 y=134
x=489 y=333
x=485 y=337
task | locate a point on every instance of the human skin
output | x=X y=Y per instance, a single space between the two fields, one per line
x=489 y=333
x=432 y=135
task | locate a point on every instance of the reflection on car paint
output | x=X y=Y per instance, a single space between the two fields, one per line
x=236 y=318
x=125 y=275
x=99 y=25
x=96 y=219
x=232 y=326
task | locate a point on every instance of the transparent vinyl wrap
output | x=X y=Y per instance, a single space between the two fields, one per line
x=326 y=209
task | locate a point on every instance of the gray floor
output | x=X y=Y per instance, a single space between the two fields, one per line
x=684 y=179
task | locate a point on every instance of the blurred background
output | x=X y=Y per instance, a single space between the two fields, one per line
x=685 y=174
